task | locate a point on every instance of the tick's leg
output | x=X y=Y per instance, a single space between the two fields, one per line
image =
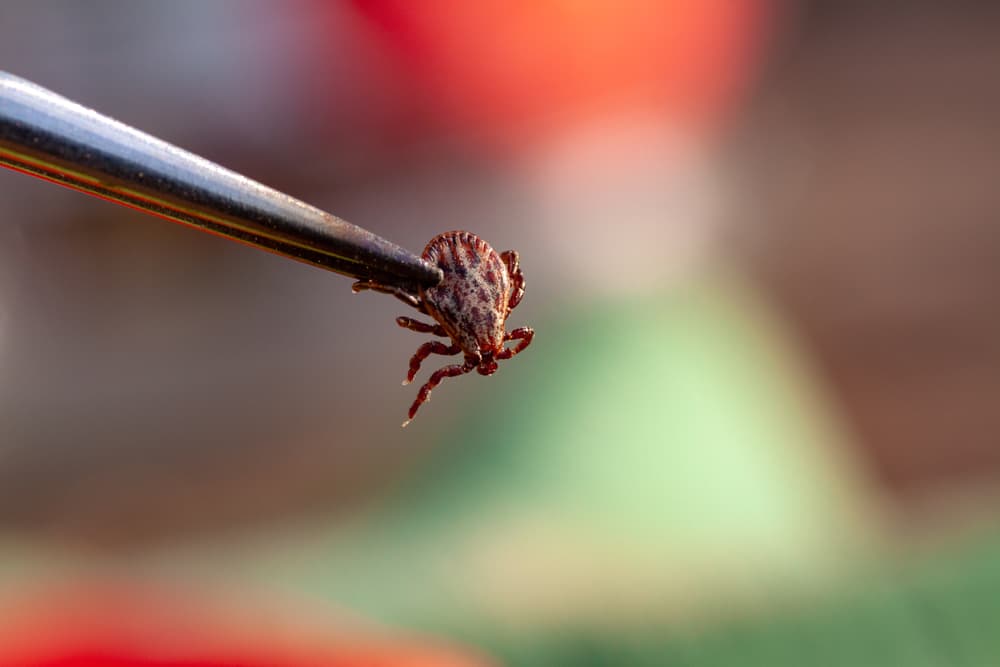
x=425 y=350
x=512 y=260
x=408 y=298
x=425 y=392
x=421 y=327
x=521 y=334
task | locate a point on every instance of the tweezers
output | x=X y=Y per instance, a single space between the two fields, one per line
x=45 y=135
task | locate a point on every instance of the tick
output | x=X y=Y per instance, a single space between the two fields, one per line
x=470 y=305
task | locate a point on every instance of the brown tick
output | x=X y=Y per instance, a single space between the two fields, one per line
x=470 y=306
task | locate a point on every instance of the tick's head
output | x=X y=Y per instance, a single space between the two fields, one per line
x=487 y=364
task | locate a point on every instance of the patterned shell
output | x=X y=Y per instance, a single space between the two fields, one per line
x=471 y=301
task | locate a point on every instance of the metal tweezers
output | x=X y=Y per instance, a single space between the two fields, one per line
x=48 y=136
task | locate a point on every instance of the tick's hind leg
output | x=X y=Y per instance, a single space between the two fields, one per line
x=425 y=350
x=421 y=327
x=408 y=298
x=512 y=261
x=424 y=394
x=523 y=335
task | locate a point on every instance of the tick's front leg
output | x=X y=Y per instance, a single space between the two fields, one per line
x=425 y=350
x=408 y=298
x=522 y=334
x=421 y=327
x=425 y=392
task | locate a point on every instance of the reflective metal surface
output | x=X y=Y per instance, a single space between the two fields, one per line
x=48 y=136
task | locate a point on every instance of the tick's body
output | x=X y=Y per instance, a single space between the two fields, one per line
x=470 y=305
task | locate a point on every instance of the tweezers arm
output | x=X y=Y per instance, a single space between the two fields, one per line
x=48 y=136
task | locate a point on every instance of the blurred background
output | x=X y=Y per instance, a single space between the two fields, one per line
x=759 y=421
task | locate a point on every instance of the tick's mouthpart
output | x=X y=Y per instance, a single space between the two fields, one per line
x=488 y=366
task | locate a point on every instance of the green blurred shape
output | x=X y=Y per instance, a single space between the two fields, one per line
x=663 y=455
